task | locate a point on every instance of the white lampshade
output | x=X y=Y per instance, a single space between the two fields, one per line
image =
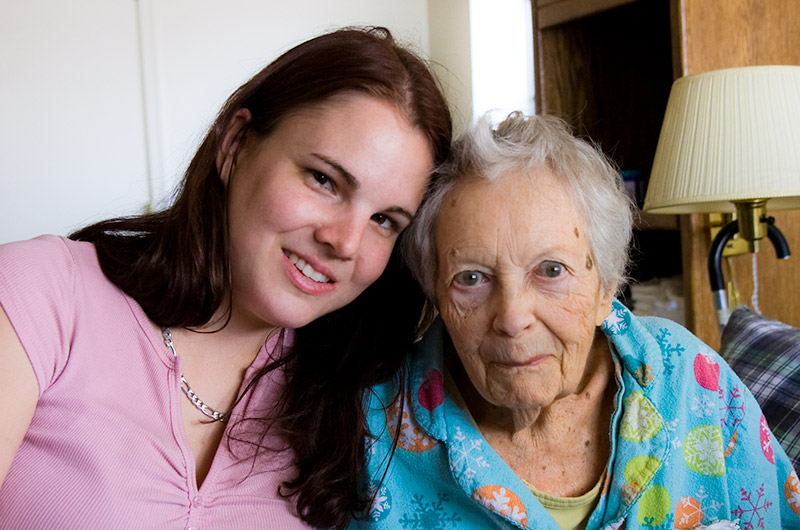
x=729 y=135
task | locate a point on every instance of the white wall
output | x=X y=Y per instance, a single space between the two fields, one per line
x=197 y=54
x=72 y=135
x=104 y=102
x=450 y=51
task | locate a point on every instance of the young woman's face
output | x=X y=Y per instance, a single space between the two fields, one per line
x=315 y=208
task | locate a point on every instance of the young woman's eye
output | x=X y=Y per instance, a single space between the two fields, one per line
x=322 y=179
x=551 y=269
x=469 y=278
x=384 y=221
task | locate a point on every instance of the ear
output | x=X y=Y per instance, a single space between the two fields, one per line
x=605 y=303
x=231 y=142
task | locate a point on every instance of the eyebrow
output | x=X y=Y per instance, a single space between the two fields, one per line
x=353 y=181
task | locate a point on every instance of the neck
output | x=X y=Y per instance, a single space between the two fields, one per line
x=568 y=438
x=237 y=333
x=227 y=344
x=592 y=396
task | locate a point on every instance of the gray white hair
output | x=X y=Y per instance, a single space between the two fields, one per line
x=522 y=143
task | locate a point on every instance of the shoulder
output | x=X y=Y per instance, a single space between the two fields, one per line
x=53 y=267
x=656 y=349
x=46 y=262
x=42 y=295
x=45 y=254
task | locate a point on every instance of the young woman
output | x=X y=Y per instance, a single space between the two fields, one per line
x=204 y=366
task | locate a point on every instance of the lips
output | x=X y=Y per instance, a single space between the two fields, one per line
x=519 y=360
x=306 y=268
x=533 y=361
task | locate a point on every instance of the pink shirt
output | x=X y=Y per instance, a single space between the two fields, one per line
x=106 y=447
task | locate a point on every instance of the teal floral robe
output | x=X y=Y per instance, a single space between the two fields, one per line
x=690 y=447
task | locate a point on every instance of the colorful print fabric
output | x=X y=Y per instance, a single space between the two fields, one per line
x=766 y=355
x=690 y=447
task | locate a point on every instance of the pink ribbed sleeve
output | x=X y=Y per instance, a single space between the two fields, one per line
x=106 y=447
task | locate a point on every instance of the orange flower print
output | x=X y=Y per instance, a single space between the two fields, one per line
x=791 y=491
x=688 y=513
x=502 y=501
x=412 y=437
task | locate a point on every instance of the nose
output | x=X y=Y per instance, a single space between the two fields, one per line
x=513 y=312
x=342 y=234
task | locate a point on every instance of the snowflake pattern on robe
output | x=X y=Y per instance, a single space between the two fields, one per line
x=504 y=502
x=381 y=502
x=412 y=437
x=641 y=420
x=667 y=524
x=466 y=456
x=703 y=406
x=693 y=511
x=710 y=506
x=429 y=515
x=667 y=350
x=751 y=514
x=618 y=321
x=791 y=492
x=672 y=429
x=732 y=407
x=690 y=446
x=702 y=450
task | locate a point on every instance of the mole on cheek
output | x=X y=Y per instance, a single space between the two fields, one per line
x=589 y=262
x=577 y=233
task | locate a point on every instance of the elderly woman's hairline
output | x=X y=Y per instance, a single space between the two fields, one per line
x=531 y=142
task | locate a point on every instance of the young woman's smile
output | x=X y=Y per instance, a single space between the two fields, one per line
x=316 y=206
x=306 y=276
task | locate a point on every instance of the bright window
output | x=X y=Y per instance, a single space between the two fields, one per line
x=502 y=57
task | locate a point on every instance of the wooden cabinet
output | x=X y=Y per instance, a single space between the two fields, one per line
x=607 y=66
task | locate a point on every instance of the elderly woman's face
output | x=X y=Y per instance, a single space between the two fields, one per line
x=517 y=287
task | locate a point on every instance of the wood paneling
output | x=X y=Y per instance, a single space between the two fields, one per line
x=713 y=35
x=584 y=75
x=552 y=12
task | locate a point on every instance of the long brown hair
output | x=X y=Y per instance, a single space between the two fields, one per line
x=175 y=263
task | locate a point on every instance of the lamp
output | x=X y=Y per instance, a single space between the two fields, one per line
x=730 y=142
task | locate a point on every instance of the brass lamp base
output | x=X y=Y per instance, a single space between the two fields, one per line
x=751 y=215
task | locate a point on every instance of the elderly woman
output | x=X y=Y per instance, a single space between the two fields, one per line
x=539 y=401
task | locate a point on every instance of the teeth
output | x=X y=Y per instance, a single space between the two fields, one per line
x=306 y=268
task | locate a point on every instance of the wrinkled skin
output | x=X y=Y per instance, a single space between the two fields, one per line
x=521 y=298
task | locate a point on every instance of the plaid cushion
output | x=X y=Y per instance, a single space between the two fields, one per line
x=765 y=354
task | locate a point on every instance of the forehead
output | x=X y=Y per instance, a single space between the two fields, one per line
x=367 y=137
x=346 y=110
x=520 y=208
x=515 y=196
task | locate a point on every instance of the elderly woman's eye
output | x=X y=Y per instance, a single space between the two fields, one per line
x=469 y=278
x=551 y=269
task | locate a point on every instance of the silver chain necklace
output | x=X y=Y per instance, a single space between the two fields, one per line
x=215 y=415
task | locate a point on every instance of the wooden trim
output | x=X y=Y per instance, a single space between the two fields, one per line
x=649 y=221
x=552 y=12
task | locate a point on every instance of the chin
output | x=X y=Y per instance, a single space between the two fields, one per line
x=519 y=397
x=286 y=316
